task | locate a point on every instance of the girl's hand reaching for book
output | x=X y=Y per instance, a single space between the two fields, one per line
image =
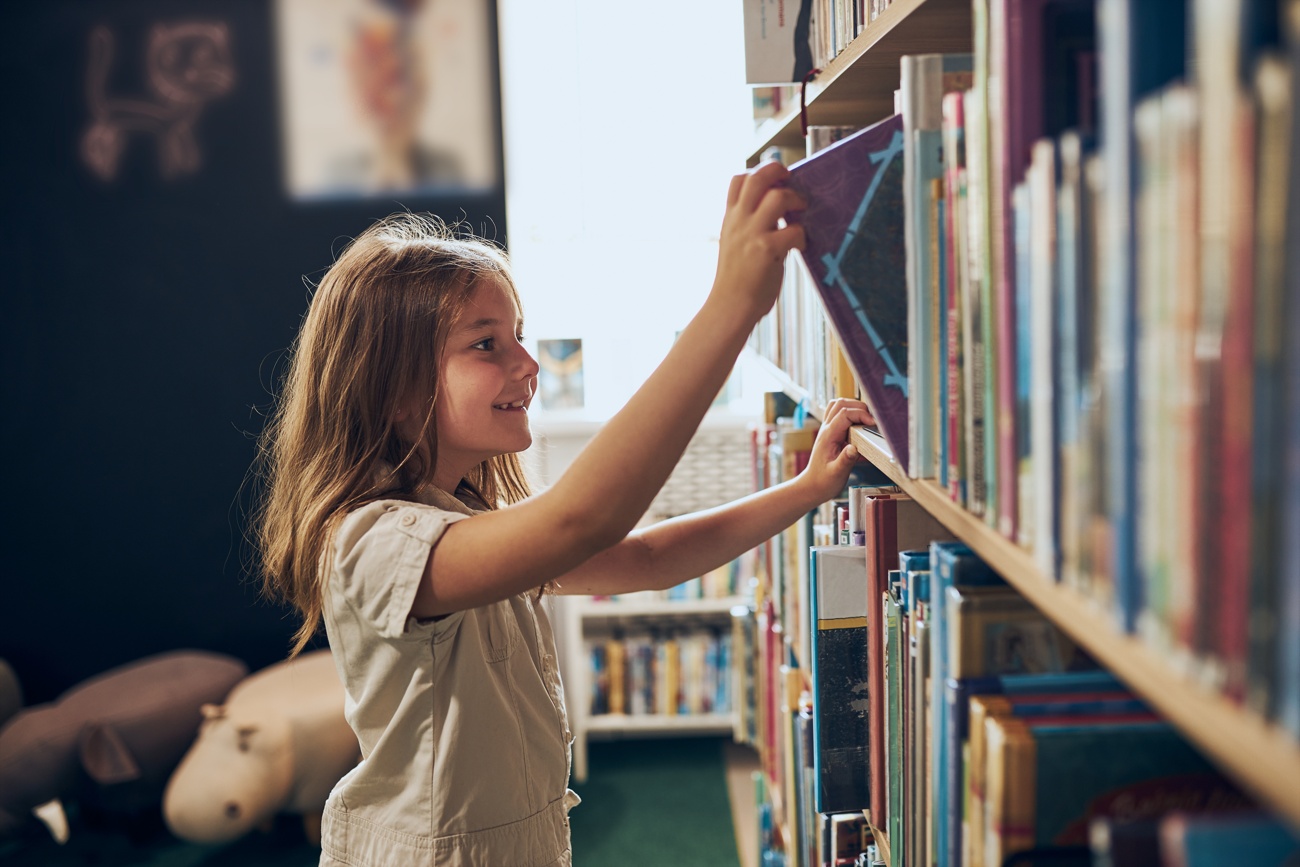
x=833 y=454
x=754 y=240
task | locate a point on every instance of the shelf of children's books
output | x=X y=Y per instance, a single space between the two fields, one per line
x=857 y=86
x=1262 y=757
x=590 y=609
x=640 y=725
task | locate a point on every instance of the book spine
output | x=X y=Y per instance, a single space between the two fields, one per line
x=1267 y=556
x=974 y=311
x=955 y=247
x=1004 y=173
x=1289 y=425
x=1043 y=494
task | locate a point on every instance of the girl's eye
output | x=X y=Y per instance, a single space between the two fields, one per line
x=486 y=344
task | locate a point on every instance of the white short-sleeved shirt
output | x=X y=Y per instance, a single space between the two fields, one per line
x=464 y=738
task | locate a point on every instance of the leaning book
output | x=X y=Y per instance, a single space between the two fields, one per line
x=855 y=251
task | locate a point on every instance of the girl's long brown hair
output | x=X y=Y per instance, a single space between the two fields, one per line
x=372 y=339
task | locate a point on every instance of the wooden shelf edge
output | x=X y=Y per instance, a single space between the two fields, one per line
x=1262 y=757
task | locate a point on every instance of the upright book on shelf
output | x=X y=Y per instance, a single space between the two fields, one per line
x=839 y=677
x=924 y=79
x=1288 y=660
x=1139 y=768
x=893 y=524
x=856 y=252
x=1139 y=51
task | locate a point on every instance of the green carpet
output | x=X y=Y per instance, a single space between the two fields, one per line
x=656 y=802
x=653 y=803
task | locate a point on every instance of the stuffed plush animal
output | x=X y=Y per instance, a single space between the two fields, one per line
x=278 y=745
x=112 y=740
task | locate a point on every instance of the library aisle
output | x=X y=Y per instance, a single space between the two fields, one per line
x=666 y=801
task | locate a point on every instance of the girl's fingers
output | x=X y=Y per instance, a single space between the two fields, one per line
x=758 y=182
x=733 y=191
x=789 y=238
x=776 y=203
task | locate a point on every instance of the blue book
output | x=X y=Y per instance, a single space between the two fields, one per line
x=1240 y=839
x=951 y=564
x=841 y=737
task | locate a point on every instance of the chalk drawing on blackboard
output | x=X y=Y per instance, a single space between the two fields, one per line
x=387 y=96
x=187 y=65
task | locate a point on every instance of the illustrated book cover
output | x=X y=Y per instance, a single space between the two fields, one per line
x=856 y=252
x=839 y=677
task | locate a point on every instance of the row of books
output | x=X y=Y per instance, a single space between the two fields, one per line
x=1095 y=249
x=846 y=838
x=950 y=710
x=665 y=674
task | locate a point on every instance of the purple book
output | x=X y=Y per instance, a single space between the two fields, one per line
x=856 y=253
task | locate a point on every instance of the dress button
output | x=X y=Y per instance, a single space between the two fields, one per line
x=408 y=519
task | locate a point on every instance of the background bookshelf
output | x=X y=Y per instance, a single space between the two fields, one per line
x=1183 y=685
x=592 y=623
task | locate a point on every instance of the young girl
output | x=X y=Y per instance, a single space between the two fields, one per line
x=397 y=513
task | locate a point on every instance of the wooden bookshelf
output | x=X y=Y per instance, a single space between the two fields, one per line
x=857 y=87
x=1261 y=757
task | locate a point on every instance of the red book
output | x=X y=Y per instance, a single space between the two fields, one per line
x=1223 y=604
x=954 y=157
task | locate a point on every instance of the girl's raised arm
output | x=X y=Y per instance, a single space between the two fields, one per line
x=611 y=483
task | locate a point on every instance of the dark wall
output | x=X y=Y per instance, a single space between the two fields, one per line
x=145 y=322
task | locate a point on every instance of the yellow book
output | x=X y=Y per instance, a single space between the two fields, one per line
x=982 y=707
x=616 y=657
x=1010 y=788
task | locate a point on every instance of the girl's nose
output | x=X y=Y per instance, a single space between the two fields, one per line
x=528 y=365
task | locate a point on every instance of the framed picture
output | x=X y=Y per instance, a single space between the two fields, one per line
x=388 y=96
x=559 y=382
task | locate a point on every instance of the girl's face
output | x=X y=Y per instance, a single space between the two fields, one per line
x=488 y=383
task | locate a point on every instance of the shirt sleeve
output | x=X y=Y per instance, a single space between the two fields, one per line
x=380 y=552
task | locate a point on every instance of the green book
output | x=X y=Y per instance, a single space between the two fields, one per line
x=895 y=659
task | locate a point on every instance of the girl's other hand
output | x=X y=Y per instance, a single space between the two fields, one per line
x=833 y=455
x=754 y=241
